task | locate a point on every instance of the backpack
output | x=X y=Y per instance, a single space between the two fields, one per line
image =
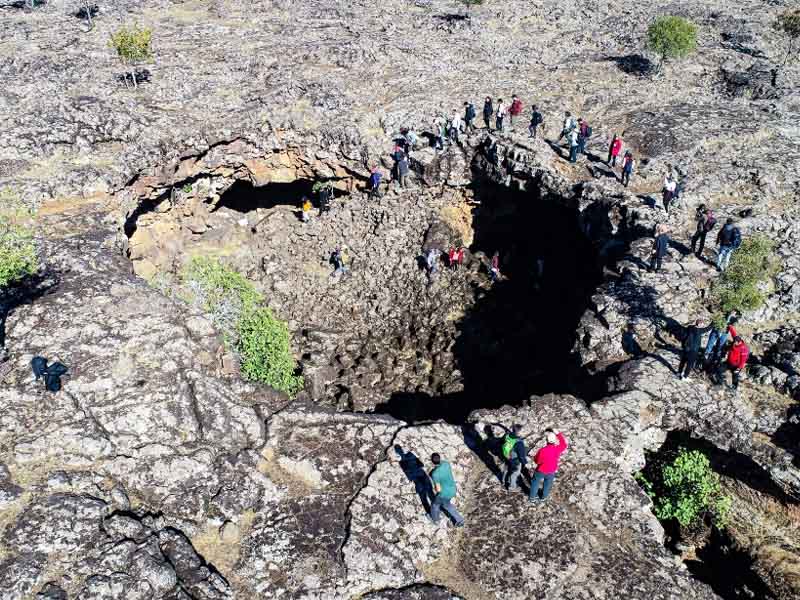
x=736 y=238
x=710 y=223
x=508 y=445
x=52 y=374
x=470 y=112
x=536 y=118
x=588 y=132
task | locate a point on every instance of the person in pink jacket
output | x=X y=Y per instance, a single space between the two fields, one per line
x=546 y=460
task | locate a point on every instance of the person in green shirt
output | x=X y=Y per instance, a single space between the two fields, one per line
x=444 y=488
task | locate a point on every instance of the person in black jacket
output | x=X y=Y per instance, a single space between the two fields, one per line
x=488 y=113
x=518 y=456
x=469 y=117
x=692 y=340
x=660 y=245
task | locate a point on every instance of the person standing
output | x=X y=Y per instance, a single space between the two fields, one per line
x=375 y=184
x=402 y=170
x=668 y=191
x=515 y=109
x=736 y=361
x=432 y=261
x=455 y=126
x=469 y=117
x=340 y=259
x=452 y=258
x=691 y=349
x=444 y=489
x=584 y=131
x=500 y=114
x=613 y=151
x=494 y=270
x=660 y=245
x=628 y=164
x=488 y=112
x=705 y=223
x=306 y=208
x=569 y=125
x=573 y=145
x=546 y=460
x=515 y=455
x=729 y=239
x=460 y=257
x=536 y=120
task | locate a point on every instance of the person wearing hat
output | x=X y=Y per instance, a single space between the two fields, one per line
x=546 y=460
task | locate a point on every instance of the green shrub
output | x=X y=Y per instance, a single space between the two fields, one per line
x=688 y=490
x=789 y=24
x=740 y=286
x=671 y=37
x=261 y=340
x=132 y=46
x=18 y=257
x=266 y=352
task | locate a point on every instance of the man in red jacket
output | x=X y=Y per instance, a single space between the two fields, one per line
x=515 y=109
x=546 y=460
x=737 y=359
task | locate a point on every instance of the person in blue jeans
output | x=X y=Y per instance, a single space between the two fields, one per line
x=444 y=488
x=546 y=460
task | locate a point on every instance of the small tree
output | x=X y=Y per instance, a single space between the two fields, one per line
x=789 y=24
x=740 y=287
x=688 y=490
x=132 y=47
x=671 y=38
x=17 y=246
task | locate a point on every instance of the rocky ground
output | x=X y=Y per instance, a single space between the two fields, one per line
x=158 y=473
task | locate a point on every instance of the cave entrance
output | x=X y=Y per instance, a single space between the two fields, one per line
x=516 y=339
x=242 y=196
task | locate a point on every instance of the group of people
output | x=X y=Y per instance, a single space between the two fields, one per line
x=515 y=457
x=325 y=195
x=729 y=239
x=725 y=351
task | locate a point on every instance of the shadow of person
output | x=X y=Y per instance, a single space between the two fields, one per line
x=487 y=448
x=414 y=470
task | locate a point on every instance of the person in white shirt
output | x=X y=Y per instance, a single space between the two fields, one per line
x=500 y=115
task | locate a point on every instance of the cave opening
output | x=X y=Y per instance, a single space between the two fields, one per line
x=517 y=339
x=242 y=196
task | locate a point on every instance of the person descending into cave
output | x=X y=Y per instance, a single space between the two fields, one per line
x=325 y=197
x=515 y=109
x=469 y=117
x=628 y=165
x=500 y=114
x=690 y=350
x=488 y=111
x=452 y=258
x=718 y=339
x=573 y=145
x=729 y=239
x=455 y=126
x=515 y=455
x=536 y=120
x=613 y=151
x=660 y=245
x=568 y=127
x=705 y=223
x=668 y=190
x=375 y=184
x=444 y=489
x=341 y=260
x=494 y=268
x=305 y=207
x=735 y=363
x=460 y=257
x=546 y=460
x=584 y=133
x=432 y=261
